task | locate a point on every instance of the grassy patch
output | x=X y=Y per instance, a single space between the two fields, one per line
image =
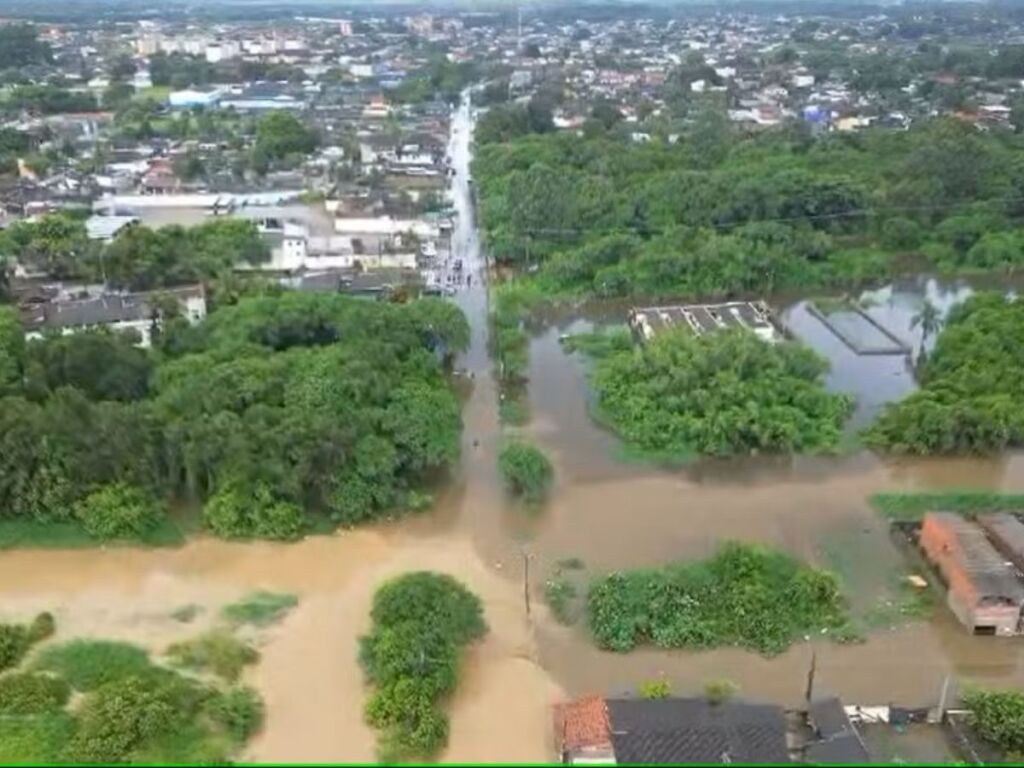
x=89 y=664
x=152 y=93
x=29 y=534
x=217 y=651
x=600 y=344
x=34 y=740
x=260 y=608
x=912 y=506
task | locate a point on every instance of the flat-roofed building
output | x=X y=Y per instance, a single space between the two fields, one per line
x=648 y=322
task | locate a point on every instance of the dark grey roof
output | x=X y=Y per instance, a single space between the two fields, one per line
x=828 y=717
x=1006 y=532
x=694 y=731
x=100 y=310
x=839 y=740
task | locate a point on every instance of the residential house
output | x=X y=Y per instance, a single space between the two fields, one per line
x=983 y=591
x=137 y=312
x=596 y=731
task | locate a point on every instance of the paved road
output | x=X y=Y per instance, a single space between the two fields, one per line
x=466 y=240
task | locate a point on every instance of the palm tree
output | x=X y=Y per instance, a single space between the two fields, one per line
x=930 y=321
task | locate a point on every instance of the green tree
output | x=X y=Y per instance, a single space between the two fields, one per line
x=12 y=351
x=279 y=134
x=526 y=470
x=929 y=319
x=118 y=511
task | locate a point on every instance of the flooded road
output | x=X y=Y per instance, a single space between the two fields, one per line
x=608 y=513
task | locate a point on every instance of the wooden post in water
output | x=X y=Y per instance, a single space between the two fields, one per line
x=810 y=675
x=526 y=581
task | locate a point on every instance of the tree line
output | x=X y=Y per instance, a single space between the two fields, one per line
x=138 y=258
x=277 y=414
x=711 y=213
x=971 y=399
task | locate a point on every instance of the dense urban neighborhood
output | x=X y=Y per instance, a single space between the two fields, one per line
x=487 y=383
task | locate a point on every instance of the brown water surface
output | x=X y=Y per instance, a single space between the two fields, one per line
x=609 y=513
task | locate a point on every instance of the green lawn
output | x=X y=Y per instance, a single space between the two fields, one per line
x=30 y=534
x=912 y=506
x=153 y=93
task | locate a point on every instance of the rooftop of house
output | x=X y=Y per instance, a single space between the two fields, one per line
x=674 y=730
x=1006 y=531
x=106 y=309
x=839 y=741
x=978 y=558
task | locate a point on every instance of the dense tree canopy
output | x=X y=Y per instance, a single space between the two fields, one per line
x=140 y=258
x=280 y=133
x=271 y=409
x=55 y=244
x=971 y=399
x=716 y=214
x=20 y=46
x=717 y=394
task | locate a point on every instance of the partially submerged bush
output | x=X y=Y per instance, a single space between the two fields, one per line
x=744 y=596
x=420 y=622
x=118 y=511
x=260 y=608
x=217 y=651
x=526 y=470
x=237 y=512
x=16 y=639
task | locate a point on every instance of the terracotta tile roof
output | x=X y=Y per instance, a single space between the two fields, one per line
x=582 y=723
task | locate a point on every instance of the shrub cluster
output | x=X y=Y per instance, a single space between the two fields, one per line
x=743 y=596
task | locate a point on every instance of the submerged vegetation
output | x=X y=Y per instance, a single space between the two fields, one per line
x=421 y=621
x=260 y=609
x=718 y=395
x=280 y=414
x=743 y=596
x=128 y=710
x=527 y=472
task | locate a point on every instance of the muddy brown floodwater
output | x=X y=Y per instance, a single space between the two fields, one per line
x=608 y=513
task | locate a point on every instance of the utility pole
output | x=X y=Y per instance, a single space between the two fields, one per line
x=526 y=581
x=810 y=675
x=519 y=30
